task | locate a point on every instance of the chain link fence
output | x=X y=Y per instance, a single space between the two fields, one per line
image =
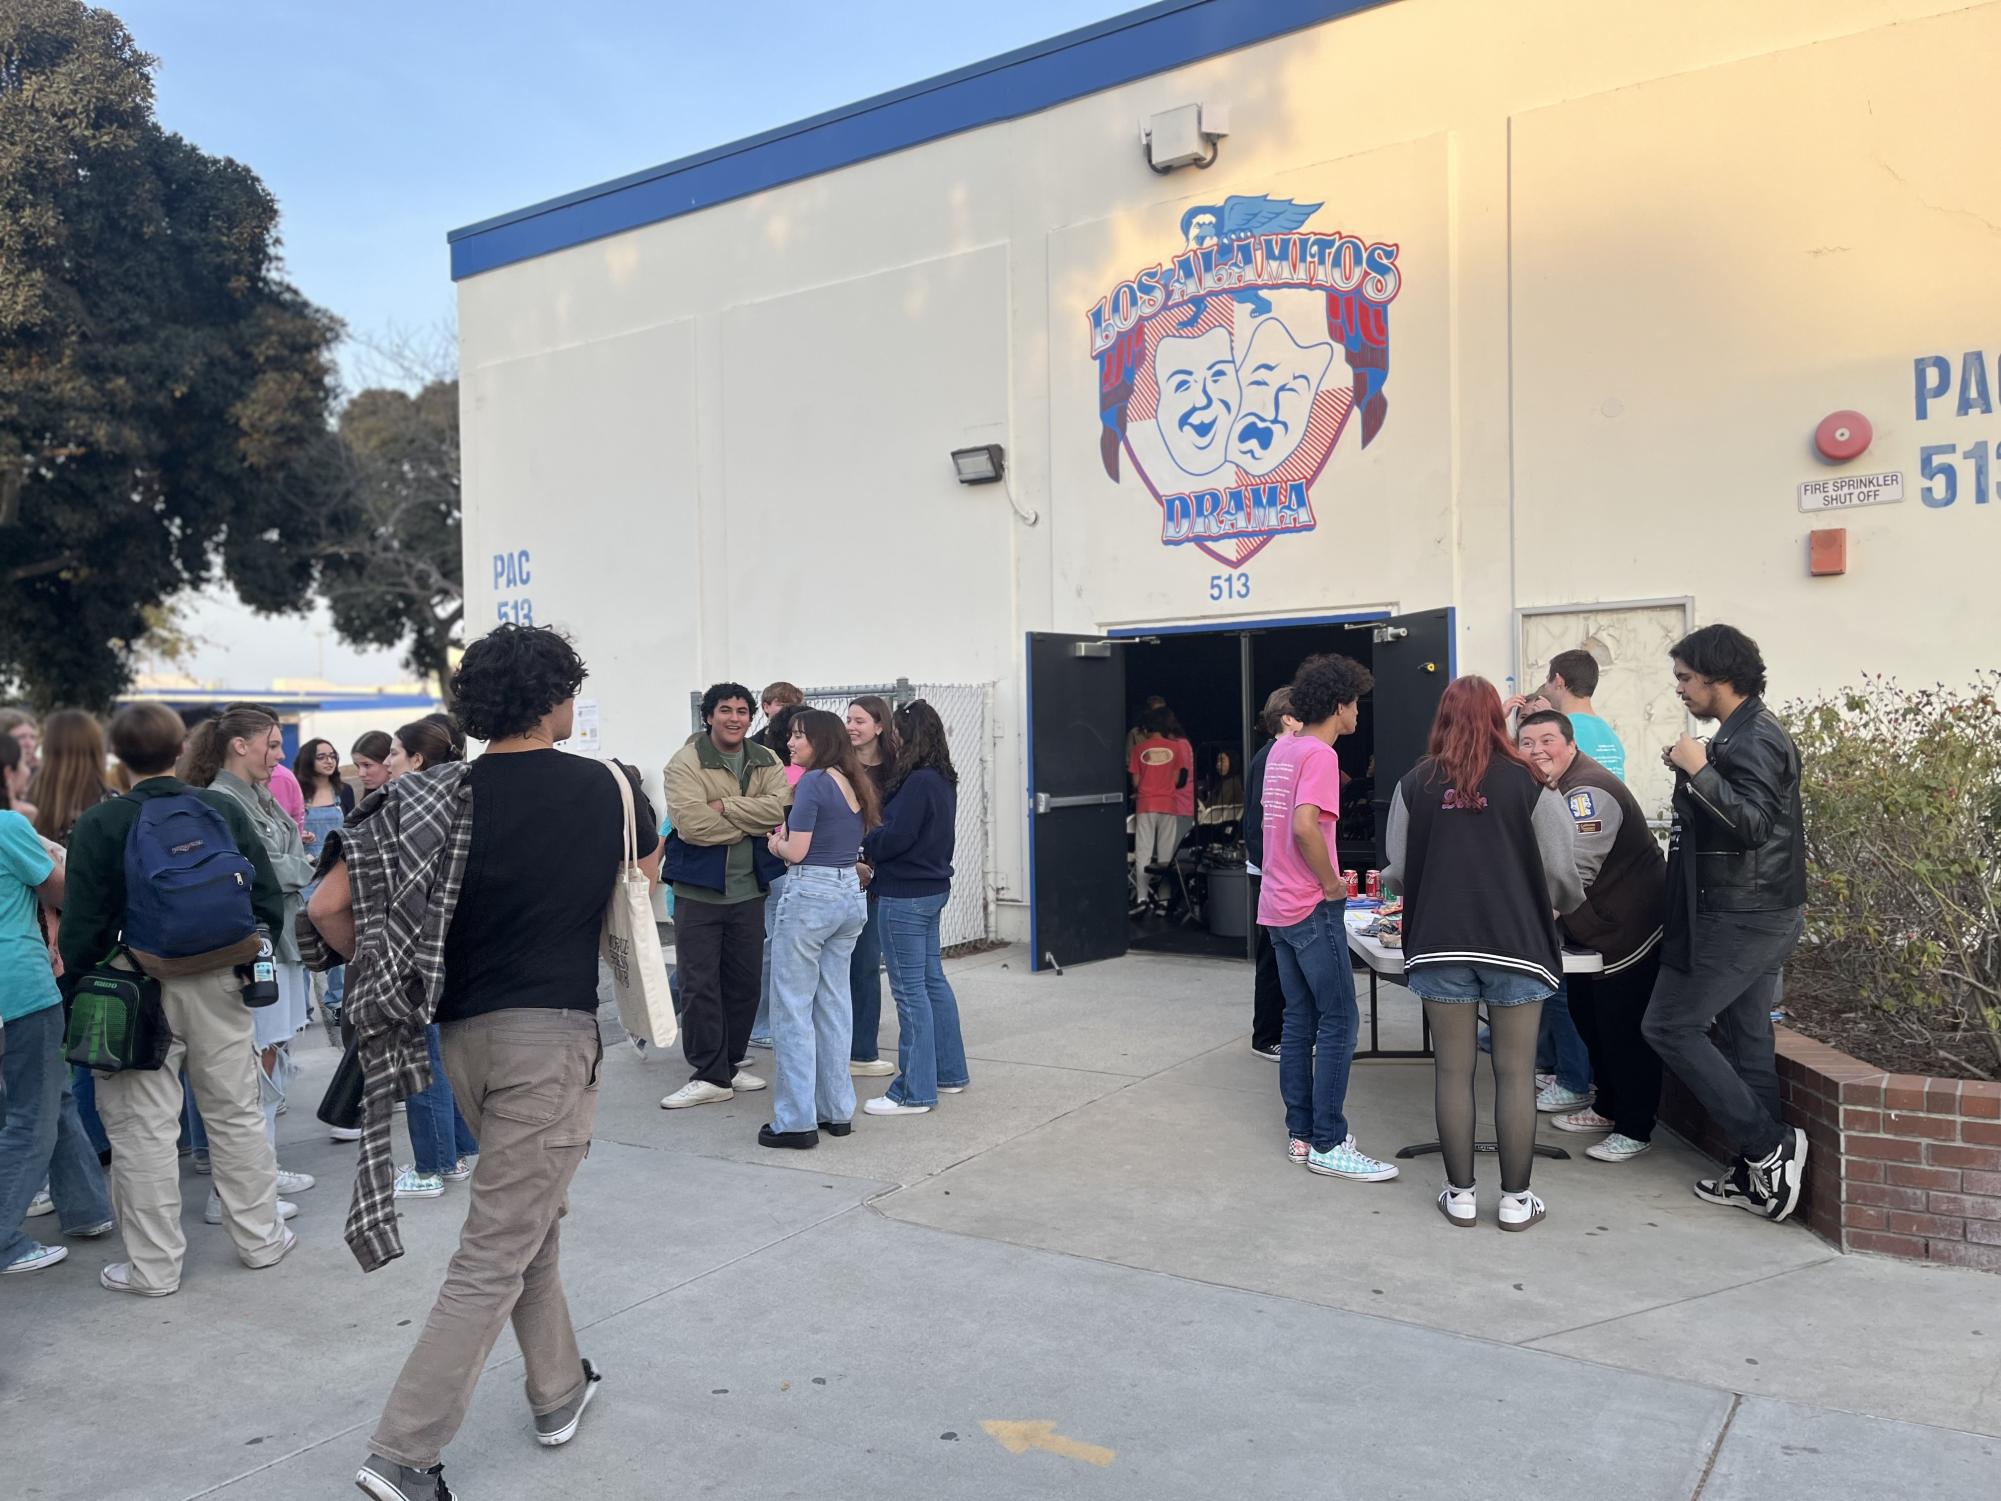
x=967 y=712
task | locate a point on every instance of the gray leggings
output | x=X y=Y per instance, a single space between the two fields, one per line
x=1455 y=1038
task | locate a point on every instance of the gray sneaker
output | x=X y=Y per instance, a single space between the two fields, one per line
x=386 y=1480
x=560 y=1426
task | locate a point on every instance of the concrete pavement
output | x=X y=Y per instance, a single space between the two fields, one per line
x=1099 y=1250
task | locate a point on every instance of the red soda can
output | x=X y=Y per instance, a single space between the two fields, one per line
x=1375 y=886
x=1354 y=884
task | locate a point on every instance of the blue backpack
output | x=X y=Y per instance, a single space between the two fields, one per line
x=187 y=886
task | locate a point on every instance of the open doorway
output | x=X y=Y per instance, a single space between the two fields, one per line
x=1214 y=683
x=1086 y=693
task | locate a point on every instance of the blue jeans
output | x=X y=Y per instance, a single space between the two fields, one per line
x=1316 y=1046
x=439 y=1136
x=1560 y=1043
x=83 y=1084
x=820 y=916
x=929 y=1048
x=1476 y=982
x=865 y=983
x=41 y=1139
x=760 y=1026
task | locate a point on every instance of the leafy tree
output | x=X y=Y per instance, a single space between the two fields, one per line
x=390 y=571
x=164 y=393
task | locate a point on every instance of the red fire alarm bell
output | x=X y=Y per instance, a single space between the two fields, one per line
x=1842 y=436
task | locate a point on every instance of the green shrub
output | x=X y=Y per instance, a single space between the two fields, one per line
x=1903 y=831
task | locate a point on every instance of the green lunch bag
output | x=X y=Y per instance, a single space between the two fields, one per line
x=116 y=1021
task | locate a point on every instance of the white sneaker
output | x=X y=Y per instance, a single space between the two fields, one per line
x=747 y=1083
x=871 y=1068
x=411 y=1184
x=1519 y=1211
x=953 y=1088
x=461 y=1170
x=697 y=1092
x=1296 y=1151
x=213 y=1214
x=284 y=1249
x=1616 y=1148
x=1554 y=1099
x=344 y=1133
x=1459 y=1205
x=42 y=1204
x=1585 y=1120
x=887 y=1106
x=294 y=1183
x=1543 y=1080
x=117 y=1278
x=35 y=1258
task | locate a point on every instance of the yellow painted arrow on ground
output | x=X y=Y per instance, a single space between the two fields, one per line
x=1019 y=1438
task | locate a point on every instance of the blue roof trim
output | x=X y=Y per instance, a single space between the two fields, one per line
x=1170 y=34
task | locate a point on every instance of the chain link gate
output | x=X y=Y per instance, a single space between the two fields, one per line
x=967 y=712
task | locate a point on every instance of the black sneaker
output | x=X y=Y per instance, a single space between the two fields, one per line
x=386 y=1480
x=1736 y=1189
x=1779 y=1176
x=1270 y=1052
x=560 y=1426
x=769 y=1136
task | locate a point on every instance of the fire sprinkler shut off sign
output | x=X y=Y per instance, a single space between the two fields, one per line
x=1844 y=492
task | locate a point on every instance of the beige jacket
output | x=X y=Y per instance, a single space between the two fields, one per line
x=698 y=776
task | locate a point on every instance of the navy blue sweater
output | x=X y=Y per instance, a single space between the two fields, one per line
x=912 y=850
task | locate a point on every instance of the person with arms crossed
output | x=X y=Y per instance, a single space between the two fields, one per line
x=1736 y=905
x=725 y=794
x=1304 y=902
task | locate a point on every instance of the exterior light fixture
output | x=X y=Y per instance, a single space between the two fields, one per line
x=978 y=466
x=1188 y=136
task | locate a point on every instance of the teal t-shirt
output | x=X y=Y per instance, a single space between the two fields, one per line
x=27 y=980
x=1596 y=740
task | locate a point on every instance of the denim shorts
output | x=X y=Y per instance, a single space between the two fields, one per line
x=1489 y=983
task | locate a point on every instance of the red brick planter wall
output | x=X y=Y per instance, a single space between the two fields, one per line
x=1901 y=1164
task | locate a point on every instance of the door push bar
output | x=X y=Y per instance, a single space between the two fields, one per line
x=1045 y=803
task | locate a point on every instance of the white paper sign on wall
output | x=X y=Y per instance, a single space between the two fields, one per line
x=1844 y=492
x=585 y=739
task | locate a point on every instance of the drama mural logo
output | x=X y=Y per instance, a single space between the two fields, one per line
x=1217 y=375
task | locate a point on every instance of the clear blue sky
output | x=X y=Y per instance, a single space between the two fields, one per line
x=381 y=124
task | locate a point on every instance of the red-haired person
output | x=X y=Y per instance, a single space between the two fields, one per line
x=1484 y=852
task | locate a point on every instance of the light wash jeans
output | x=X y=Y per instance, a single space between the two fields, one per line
x=1560 y=1045
x=820 y=915
x=439 y=1135
x=929 y=1048
x=760 y=1026
x=41 y=1139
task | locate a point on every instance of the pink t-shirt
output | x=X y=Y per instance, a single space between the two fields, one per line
x=1300 y=769
x=288 y=794
x=1159 y=762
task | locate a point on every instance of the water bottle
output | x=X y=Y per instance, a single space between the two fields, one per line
x=260 y=975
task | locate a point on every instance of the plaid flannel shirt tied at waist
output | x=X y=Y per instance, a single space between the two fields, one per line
x=405 y=849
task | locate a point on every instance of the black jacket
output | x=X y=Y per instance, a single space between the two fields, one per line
x=1254 y=806
x=1740 y=818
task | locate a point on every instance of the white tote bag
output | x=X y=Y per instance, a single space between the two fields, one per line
x=631 y=943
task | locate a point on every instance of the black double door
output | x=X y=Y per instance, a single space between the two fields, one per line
x=1077 y=780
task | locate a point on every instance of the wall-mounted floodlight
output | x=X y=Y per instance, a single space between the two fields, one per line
x=1187 y=136
x=978 y=466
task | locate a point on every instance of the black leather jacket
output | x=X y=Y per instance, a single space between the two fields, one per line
x=1742 y=812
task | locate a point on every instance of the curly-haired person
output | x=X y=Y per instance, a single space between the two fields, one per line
x=1303 y=901
x=519 y=850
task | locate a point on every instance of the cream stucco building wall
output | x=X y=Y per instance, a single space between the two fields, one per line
x=1642 y=250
